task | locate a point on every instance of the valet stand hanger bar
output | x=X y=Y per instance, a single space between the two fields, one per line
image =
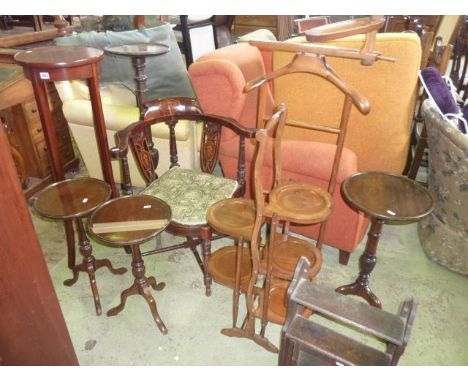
x=366 y=54
x=316 y=64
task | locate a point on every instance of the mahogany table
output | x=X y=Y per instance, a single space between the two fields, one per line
x=138 y=54
x=60 y=63
x=385 y=198
x=75 y=199
x=130 y=221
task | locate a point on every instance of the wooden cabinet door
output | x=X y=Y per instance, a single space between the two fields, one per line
x=32 y=327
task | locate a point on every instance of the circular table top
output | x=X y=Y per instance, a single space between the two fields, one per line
x=52 y=57
x=301 y=203
x=118 y=221
x=71 y=198
x=138 y=50
x=388 y=196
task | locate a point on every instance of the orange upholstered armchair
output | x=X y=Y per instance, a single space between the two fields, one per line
x=378 y=141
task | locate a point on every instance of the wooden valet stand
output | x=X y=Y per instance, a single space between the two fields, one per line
x=288 y=202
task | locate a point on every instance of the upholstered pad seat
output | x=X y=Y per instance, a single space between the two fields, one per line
x=190 y=193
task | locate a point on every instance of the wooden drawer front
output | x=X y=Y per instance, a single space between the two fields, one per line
x=31 y=111
x=37 y=135
x=36 y=131
x=65 y=149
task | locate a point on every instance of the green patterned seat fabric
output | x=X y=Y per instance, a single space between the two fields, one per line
x=190 y=193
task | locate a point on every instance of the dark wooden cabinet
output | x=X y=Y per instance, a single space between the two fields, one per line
x=32 y=326
x=244 y=24
x=281 y=26
x=25 y=134
x=401 y=23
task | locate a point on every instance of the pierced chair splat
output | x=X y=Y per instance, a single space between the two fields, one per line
x=188 y=192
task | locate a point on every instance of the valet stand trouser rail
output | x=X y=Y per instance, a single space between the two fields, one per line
x=170 y=111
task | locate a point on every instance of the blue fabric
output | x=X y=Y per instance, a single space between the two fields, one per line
x=167 y=73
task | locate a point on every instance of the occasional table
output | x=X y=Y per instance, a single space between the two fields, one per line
x=59 y=63
x=385 y=198
x=62 y=63
x=75 y=199
x=130 y=221
x=138 y=54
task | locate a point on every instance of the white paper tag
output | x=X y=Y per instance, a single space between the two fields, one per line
x=44 y=75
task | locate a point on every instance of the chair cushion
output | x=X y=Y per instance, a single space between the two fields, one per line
x=167 y=74
x=444 y=100
x=190 y=193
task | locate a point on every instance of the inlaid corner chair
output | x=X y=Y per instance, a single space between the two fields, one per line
x=188 y=192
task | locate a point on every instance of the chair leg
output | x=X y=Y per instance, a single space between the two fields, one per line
x=420 y=147
x=205 y=235
x=344 y=257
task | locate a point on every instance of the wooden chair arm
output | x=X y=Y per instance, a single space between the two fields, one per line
x=170 y=111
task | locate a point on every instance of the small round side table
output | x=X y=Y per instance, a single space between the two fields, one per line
x=75 y=199
x=58 y=63
x=130 y=221
x=385 y=198
x=138 y=54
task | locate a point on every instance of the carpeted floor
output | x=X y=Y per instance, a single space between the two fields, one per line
x=439 y=335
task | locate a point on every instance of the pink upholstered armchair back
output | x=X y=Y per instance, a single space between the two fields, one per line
x=219 y=78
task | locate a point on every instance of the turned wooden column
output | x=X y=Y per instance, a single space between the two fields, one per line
x=138 y=54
